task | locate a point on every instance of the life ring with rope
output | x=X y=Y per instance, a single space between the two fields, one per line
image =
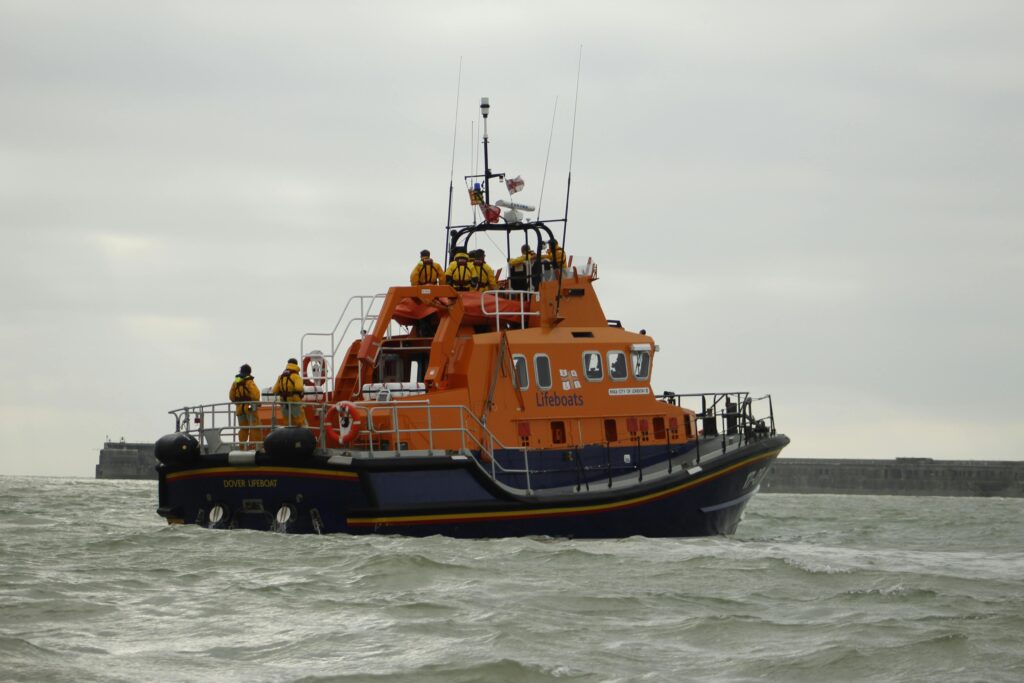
x=318 y=376
x=351 y=419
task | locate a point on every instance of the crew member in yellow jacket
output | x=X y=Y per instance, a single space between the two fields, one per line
x=461 y=273
x=520 y=267
x=484 y=274
x=289 y=388
x=246 y=395
x=426 y=271
x=555 y=254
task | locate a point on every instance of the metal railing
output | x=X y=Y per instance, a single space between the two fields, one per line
x=365 y=310
x=721 y=416
x=212 y=422
x=446 y=430
x=521 y=296
x=217 y=427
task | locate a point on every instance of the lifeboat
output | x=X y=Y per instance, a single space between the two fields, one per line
x=519 y=410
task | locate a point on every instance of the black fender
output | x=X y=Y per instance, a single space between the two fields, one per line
x=290 y=444
x=176 y=449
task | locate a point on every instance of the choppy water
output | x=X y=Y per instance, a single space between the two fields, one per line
x=94 y=587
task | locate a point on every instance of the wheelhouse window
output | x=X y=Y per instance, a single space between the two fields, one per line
x=592 y=367
x=520 y=373
x=617 y=366
x=542 y=371
x=641 y=363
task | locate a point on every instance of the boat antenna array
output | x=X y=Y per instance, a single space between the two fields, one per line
x=568 y=184
x=455 y=133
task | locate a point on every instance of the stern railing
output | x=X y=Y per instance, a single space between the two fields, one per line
x=725 y=414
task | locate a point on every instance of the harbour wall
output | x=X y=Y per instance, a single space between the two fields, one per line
x=121 y=460
x=899 y=477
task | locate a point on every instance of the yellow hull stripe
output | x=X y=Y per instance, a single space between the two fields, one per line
x=249 y=470
x=553 y=512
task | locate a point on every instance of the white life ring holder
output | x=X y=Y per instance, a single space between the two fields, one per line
x=318 y=360
x=351 y=419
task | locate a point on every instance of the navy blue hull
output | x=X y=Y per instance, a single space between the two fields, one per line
x=454 y=497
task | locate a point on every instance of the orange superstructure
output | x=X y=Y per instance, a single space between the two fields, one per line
x=541 y=369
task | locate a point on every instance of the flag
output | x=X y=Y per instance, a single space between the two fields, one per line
x=491 y=213
x=476 y=197
x=514 y=184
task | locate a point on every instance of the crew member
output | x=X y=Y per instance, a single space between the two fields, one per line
x=484 y=274
x=288 y=388
x=461 y=273
x=246 y=395
x=555 y=254
x=519 y=269
x=426 y=271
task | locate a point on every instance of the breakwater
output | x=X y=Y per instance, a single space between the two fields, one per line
x=898 y=477
x=122 y=460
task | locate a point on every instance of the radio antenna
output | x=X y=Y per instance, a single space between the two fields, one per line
x=455 y=132
x=547 y=156
x=568 y=184
x=572 y=145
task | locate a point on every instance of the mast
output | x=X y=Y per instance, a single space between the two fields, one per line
x=485 y=109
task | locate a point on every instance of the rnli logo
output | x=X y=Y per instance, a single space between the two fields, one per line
x=552 y=400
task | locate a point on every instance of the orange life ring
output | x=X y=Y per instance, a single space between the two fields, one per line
x=316 y=359
x=351 y=419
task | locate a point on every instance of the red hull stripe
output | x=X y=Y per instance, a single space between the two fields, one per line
x=307 y=473
x=406 y=520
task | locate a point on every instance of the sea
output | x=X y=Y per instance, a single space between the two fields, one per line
x=94 y=586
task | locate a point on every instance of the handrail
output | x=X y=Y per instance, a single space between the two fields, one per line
x=509 y=294
x=366 y=315
x=737 y=418
x=212 y=422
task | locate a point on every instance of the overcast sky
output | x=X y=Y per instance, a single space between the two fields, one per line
x=818 y=200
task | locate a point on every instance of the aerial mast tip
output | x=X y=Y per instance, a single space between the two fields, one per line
x=485 y=109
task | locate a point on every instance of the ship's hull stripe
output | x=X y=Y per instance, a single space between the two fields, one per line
x=404 y=520
x=262 y=472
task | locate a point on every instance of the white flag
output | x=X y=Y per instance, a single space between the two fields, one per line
x=514 y=184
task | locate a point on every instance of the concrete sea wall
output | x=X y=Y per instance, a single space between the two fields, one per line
x=120 y=460
x=899 y=477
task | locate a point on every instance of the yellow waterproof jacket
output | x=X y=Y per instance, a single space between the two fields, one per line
x=520 y=265
x=424 y=274
x=289 y=385
x=243 y=389
x=558 y=258
x=462 y=277
x=485 y=277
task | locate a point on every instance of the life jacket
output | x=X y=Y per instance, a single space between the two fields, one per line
x=289 y=385
x=427 y=273
x=461 y=276
x=557 y=257
x=485 y=277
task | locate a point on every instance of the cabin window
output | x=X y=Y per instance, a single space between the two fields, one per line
x=641 y=363
x=520 y=374
x=542 y=370
x=558 y=432
x=611 y=430
x=617 y=366
x=592 y=367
